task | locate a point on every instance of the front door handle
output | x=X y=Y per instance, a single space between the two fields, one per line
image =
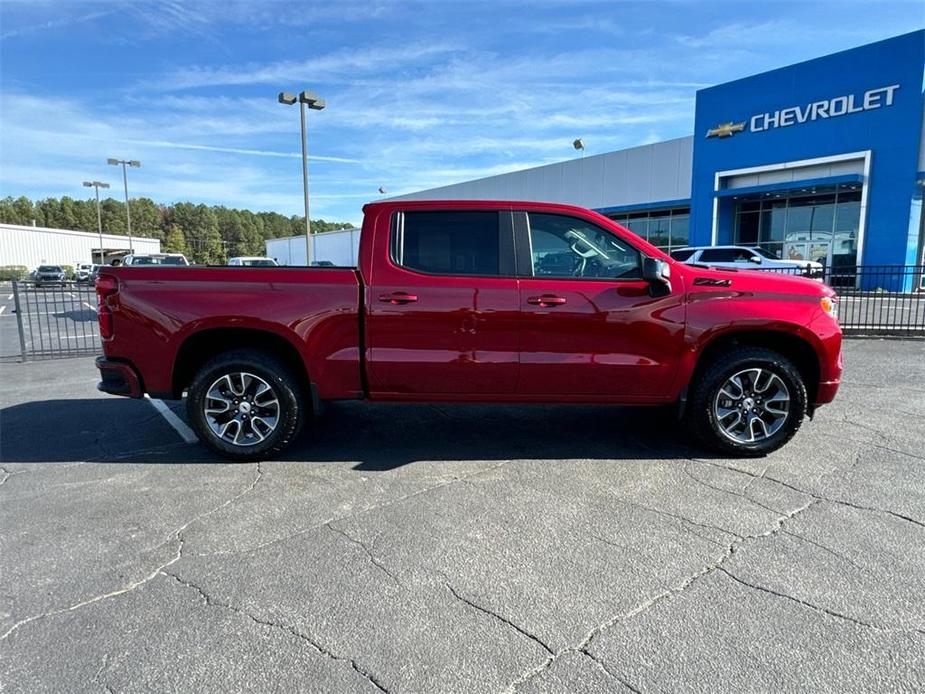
x=397 y=298
x=546 y=300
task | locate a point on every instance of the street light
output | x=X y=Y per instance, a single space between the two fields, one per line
x=99 y=215
x=311 y=100
x=135 y=164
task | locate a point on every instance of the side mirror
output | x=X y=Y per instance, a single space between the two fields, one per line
x=657 y=273
x=755 y=259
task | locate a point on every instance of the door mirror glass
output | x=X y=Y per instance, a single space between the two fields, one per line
x=755 y=259
x=658 y=274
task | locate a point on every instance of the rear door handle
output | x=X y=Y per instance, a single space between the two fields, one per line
x=546 y=300
x=397 y=298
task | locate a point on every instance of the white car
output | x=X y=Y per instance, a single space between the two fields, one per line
x=252 y=261
x=156 y=259
x=82 y=272
x=745 y=258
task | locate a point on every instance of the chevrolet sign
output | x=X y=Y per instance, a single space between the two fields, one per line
x=870 y=100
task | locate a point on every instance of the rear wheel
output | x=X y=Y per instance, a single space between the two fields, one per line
x=749 y=401
x=245 y=405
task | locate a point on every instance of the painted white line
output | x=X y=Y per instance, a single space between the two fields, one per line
x=178 y=424
x=9 y=298
x=92 y=308
x=2 y=309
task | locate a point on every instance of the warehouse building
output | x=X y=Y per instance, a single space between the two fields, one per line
x=822 y=160
x=34 y=246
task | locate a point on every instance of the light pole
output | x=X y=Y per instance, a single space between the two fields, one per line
x=99 y=215
x=134 y=163
x=311 y=100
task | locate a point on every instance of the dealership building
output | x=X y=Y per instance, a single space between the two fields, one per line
x=823 y=160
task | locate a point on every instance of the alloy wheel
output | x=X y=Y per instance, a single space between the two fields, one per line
x=752 y=405
x=241 y=408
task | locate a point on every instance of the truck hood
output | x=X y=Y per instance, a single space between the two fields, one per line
x=702 y=277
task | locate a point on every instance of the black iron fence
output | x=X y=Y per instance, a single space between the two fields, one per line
x=52 y=321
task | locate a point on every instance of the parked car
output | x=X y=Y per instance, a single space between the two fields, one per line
x=252 y=261
x=475 y=302
x=50 y=275
x=155 y=259
x=82 y=272
x=745 y=257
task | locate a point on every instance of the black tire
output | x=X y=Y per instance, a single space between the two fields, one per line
x=702 y=420
x=285 y=386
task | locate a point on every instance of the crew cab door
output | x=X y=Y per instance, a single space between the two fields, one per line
x=590 y=326
x=442 y=300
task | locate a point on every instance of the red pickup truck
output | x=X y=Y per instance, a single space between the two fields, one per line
x=474 y=301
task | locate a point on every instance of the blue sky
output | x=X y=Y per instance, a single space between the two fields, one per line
x=418 y=94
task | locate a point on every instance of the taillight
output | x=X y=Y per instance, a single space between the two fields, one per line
x=106 y=286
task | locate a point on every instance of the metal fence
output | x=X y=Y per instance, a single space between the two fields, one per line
x=54 y=321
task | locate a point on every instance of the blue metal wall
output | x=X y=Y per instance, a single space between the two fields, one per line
x=891 y=132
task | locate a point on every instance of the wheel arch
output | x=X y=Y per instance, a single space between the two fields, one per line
x=202 y=345
x=795 y=347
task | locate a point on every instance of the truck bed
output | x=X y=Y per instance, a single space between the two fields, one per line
x=158 y=308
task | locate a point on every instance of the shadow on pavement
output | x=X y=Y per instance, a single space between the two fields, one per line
x=373 y=436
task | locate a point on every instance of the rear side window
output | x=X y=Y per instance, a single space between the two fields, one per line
x=718 y=255
x=448 y=243
x=682 y=255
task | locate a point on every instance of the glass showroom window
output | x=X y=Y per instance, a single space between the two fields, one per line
x=665 y=229
x=821 y=226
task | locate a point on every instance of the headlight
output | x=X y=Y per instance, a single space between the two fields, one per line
x=829 y=304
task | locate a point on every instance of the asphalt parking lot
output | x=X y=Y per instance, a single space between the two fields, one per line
x=462 y=549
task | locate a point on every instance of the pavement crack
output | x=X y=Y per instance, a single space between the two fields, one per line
x=828 y=550
x=610 y=672
x=175 y=536
x=500 y=618
x=369 y=555
x=817 y=608
x=369 y=509
x=666 y=594
x=683 y=519
x=212 y=601
x=686 y=470
x=817 y=496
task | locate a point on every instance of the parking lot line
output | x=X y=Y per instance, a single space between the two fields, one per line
x=178 y=424
x=2 y=309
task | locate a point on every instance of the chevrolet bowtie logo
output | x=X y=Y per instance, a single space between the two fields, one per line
x=726 y=129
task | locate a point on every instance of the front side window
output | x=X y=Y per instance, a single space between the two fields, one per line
x=448 y=242
x=563 y=246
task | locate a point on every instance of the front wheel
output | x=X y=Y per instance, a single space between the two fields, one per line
x=245 y=405
x=748 y=402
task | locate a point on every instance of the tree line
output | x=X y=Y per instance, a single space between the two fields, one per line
x=208 y=234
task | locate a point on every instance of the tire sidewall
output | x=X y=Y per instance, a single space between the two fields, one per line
x=274 y=373
x=708 y=428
